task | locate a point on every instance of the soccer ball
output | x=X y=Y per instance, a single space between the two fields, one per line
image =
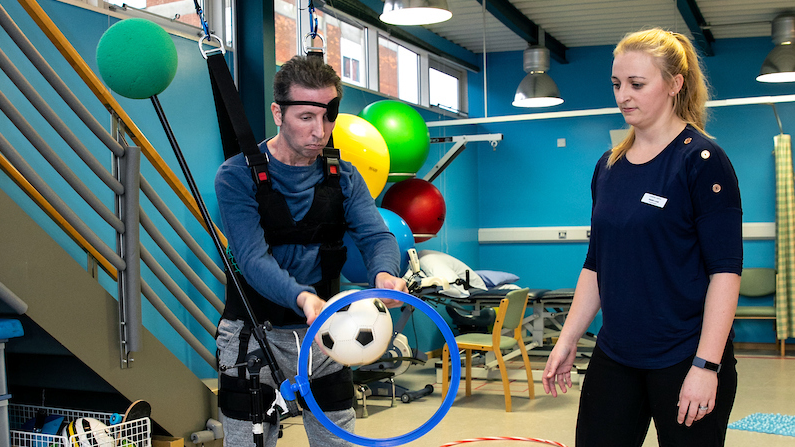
x=88 y=432
x=357 y=334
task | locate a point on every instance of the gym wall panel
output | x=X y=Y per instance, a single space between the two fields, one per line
x=531 y=182
x=459 y=187
x=189 y=106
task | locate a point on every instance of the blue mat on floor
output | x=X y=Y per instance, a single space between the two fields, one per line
x=775 y=424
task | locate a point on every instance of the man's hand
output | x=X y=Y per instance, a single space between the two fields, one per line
x=311 y=304
x=384 y=280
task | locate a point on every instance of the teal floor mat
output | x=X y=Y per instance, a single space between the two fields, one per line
x=776 y=424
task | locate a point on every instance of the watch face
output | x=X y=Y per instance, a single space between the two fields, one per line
x=701 y=363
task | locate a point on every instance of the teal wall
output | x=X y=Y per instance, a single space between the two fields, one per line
x=528 y=181
x=189 y=106
x=458 y=185
x=525 y=181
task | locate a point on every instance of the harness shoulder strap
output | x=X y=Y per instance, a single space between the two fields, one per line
x=331 y=161
x=236 y=133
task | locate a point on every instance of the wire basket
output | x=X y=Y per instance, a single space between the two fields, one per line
x=135 y=433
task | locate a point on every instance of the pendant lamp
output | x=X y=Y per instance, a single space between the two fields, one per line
x=537 y=89
x=415 y=12
x=779 y=65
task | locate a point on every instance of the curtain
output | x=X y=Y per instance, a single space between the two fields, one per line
x=785 y=238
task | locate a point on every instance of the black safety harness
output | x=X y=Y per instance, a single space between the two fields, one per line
x=323 y=224
x=332 y=392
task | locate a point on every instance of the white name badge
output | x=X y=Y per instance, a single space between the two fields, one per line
x=653 y=200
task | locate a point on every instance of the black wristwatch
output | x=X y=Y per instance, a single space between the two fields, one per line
x=701 y=363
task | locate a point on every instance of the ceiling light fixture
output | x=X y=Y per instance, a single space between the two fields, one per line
x=779 y=65
x=537 y=89
x=415 y=12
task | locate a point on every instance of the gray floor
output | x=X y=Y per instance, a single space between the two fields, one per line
x=766 y=385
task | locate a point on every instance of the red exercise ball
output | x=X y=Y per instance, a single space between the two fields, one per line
x=419 y=203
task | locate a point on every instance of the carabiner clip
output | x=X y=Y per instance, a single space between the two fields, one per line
x=321 y=48
x=205 y=54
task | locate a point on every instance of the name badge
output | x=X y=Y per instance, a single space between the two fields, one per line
x=653 y=200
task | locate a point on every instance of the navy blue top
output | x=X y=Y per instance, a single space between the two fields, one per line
x=285 y=273
x=658 y=230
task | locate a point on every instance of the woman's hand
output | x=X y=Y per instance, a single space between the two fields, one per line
x=697 y=396
x=558 y=368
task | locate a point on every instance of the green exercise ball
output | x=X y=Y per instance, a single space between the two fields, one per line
x=405 y=133
x=137 y=58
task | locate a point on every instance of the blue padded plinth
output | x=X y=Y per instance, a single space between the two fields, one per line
x=10 y=328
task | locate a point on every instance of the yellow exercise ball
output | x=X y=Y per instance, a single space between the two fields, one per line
x=361 y=144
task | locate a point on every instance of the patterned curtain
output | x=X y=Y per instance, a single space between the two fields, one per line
x=785 y=238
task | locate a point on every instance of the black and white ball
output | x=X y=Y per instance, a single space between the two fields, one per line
x=88 y=432
x=357 y=334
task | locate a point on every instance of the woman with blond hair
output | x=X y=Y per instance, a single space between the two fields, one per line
x=663 y=263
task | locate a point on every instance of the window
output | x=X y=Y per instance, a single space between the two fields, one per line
x=350 y=69
x=176 y=10
x=353 y=46
x=285 y=14
x=384 y=64
x=178 y=16
x=345 y=42
x=445 y=86
x=398 y=71
x=228 y=32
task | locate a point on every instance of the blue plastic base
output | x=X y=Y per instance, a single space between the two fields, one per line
x=10 y=328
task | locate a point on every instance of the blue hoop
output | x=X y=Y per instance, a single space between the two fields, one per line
x=302 y=379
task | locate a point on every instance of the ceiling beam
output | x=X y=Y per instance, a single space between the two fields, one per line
x=691 y=14
x=516 y=21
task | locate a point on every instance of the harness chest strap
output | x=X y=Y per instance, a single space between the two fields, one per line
x=323 y=224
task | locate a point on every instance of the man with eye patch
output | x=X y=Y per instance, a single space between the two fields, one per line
x=285 y=212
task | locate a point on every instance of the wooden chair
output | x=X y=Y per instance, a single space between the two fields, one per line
x=756 y=283
x=509 y=317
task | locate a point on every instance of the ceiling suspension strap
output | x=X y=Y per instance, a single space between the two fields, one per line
x=311 y=50
x=206 y=34
x=237 y=136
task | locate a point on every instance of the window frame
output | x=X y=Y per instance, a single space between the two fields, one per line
x=215 y=15
x=451 y=69
x=426 y=61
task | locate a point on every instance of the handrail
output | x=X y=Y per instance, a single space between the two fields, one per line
x=57 y=84
x=172 y=287
x=125 y=183
x=180 y=263
x=178 y=326
x=60 y=127
x=67 y=174
x=12 y=300
x=101 y=92
x=47 y=192
x=172 y=220
x=70 y=230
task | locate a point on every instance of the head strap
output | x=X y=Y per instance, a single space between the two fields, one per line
x=332 y=108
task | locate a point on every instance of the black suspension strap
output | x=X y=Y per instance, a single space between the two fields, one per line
x=241 y=137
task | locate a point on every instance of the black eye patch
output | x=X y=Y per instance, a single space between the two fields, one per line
x=332 y=108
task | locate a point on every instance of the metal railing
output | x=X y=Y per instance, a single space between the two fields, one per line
x=12 y=300
x=123 y=181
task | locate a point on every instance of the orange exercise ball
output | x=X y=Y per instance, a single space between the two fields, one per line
x=361 y=144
